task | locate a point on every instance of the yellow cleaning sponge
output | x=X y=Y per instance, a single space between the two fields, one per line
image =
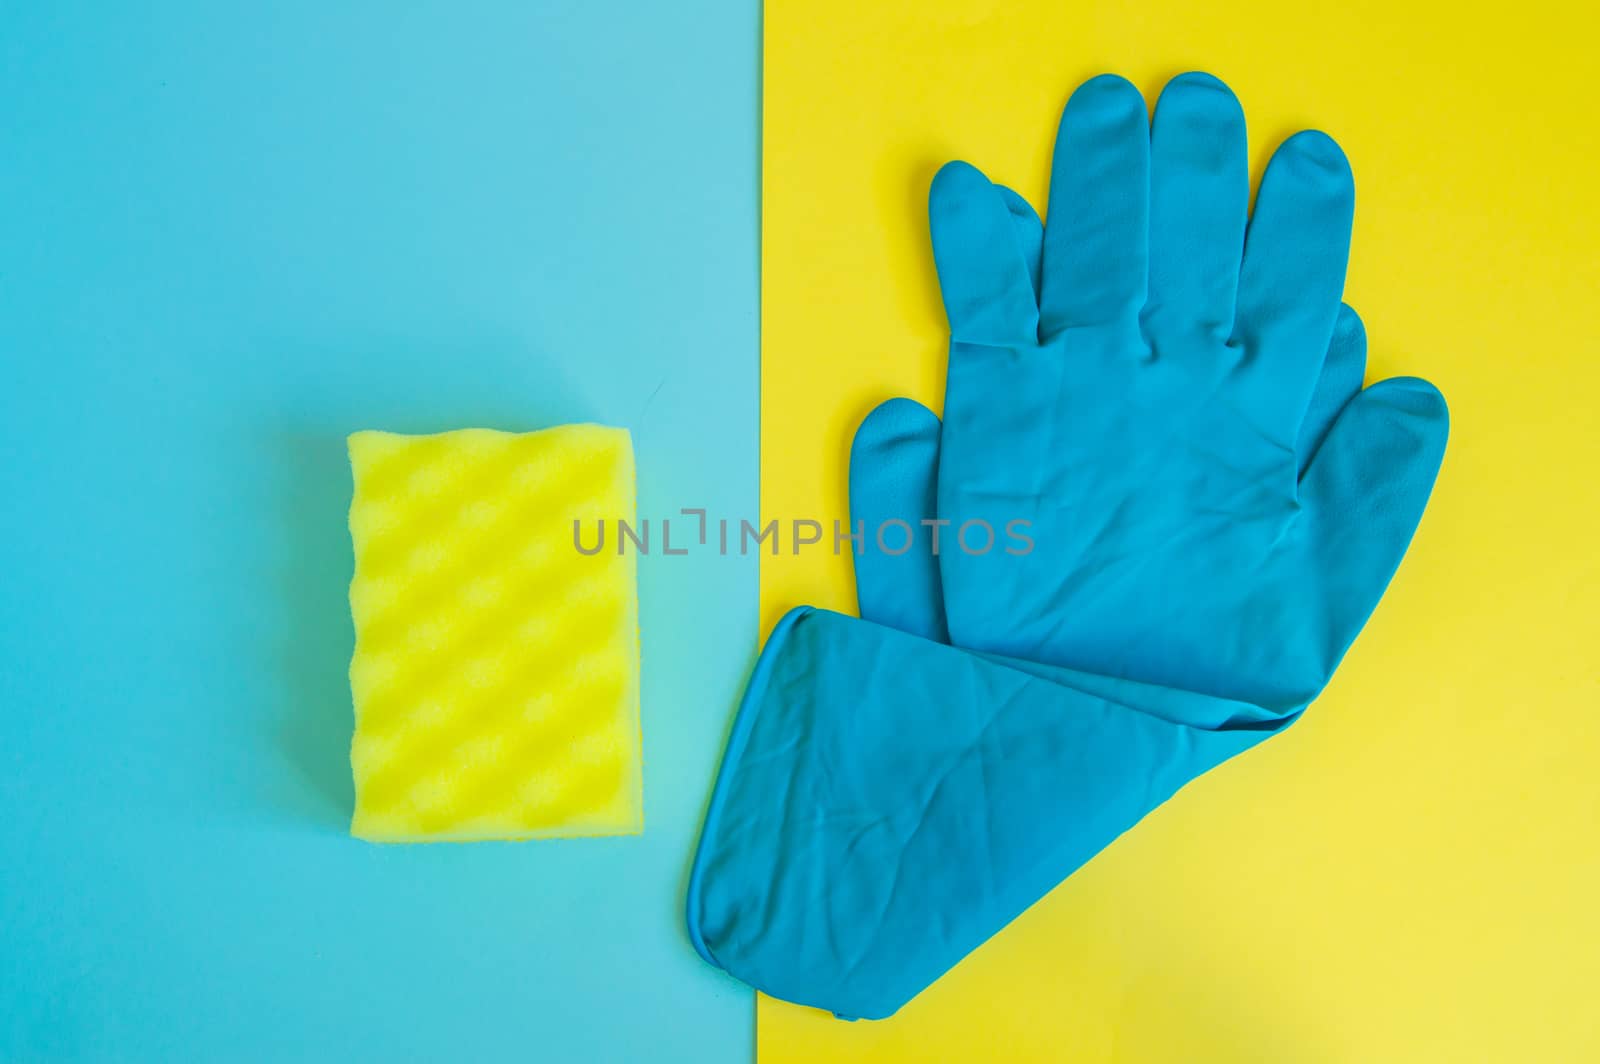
x=496 y=669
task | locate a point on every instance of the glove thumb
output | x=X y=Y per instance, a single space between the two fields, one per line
x=1365 y=490
x=894 y=467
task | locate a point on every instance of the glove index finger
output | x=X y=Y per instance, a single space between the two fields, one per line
x=1343 y=370
x=1295 y=254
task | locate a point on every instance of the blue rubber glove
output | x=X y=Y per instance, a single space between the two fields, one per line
x=886 y=803
x=1196 y=521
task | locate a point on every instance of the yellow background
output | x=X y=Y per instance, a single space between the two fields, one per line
x=1412 y=872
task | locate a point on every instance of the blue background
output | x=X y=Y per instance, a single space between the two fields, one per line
x=227 y=239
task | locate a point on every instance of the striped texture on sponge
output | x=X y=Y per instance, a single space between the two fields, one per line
x=496 y=668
